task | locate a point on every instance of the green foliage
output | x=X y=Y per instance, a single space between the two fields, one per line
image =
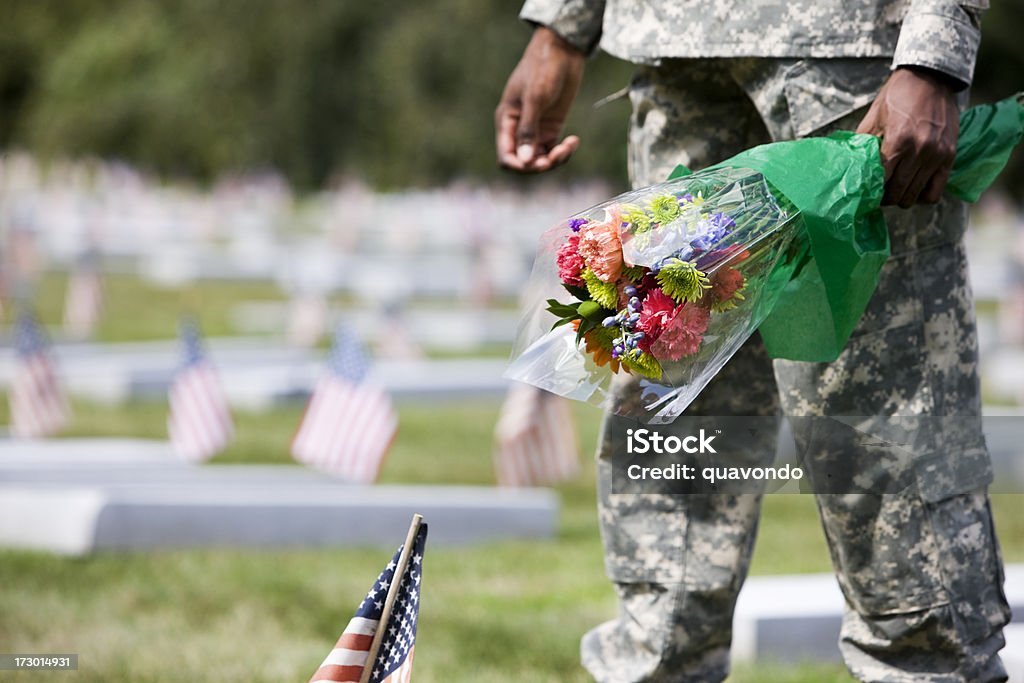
x=399 y=96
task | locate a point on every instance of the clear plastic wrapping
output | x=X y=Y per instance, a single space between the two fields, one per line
x=657 y=287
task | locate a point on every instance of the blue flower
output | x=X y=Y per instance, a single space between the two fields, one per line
x=576 y=223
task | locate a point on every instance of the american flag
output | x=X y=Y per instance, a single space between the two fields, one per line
x=535 y=439
x=38 y=405
x=349 y=423
x=83 y=301
x=392 y=662
x=199 y=423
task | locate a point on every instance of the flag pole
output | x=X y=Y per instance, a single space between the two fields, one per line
x=396 y=582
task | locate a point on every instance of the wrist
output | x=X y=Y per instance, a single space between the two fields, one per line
x=546 y=37
x=938 y=79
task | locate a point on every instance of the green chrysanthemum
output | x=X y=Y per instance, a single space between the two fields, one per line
x=634 y=273
x=638 y=220
x=604 y=293
x=665 y=208
x=643 y=364
x=682 y=281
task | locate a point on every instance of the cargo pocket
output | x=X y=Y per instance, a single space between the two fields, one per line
x=887 y=556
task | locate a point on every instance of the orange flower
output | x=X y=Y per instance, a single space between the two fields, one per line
x=601 y=354
x=601 y=246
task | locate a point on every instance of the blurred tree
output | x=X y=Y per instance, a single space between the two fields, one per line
x=401 y=94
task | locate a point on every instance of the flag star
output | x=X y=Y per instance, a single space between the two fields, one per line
x=384 y=584
x=372 y=593
x=417 y=558
x=378 y=604
x=416 y=578
x=393 y=631
x=382 y=659
x=391 y=565
x=376 y=672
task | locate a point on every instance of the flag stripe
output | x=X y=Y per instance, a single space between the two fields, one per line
x=200 y=423
x=37 y=402
x=535 y=439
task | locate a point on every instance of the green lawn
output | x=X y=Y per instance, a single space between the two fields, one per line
x=135 y=310
x=501 y=612
x=498 y=613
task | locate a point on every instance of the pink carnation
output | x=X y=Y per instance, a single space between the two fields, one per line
x=683 y=335
x=570 y=263
x=657 y=313
x=601 y=247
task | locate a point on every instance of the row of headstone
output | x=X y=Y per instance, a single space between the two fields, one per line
x=459 y=241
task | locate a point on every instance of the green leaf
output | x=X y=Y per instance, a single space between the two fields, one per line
x=580 y=293
x=585 y=326
x=593 y=311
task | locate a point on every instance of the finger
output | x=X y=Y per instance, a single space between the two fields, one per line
x=869 y=124
x=505 y=123
x=932 y=192
x=890 y=160
x=527 y=130
x=914 y=188
x=559 y=154
x=899 y=181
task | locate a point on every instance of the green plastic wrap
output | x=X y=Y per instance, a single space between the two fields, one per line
x=837 y=182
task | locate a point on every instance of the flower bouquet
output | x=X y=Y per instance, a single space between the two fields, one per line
x=660 y=286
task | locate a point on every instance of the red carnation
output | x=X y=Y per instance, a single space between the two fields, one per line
x=570 y=263
x=657 y=313
x=683 y=335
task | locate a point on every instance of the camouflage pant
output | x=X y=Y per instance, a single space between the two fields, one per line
x=920 y=569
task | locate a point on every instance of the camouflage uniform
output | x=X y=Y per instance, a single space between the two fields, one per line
x=920 y=569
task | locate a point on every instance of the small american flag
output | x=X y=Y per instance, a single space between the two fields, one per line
x=535 y=439
x=349 y=423
x=38 y=405
x=199 y=423
x=392 y=662
x=83 y=301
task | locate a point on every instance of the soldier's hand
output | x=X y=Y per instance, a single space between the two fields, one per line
x=916 y=116
x=534 y=106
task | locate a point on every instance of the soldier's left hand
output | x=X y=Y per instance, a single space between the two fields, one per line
x=917 y=117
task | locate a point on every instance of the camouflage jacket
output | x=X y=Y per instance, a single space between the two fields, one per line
x=939 y=34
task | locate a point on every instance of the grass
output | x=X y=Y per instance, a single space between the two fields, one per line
x=511 y=611
x=136 y=310
x=496 y=613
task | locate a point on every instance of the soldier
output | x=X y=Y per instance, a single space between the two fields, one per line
x=920 y=568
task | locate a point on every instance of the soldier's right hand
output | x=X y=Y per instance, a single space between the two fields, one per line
x=531 y=115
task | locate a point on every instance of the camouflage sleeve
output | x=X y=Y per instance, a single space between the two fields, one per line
x=578 y=21
x=941 y=35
